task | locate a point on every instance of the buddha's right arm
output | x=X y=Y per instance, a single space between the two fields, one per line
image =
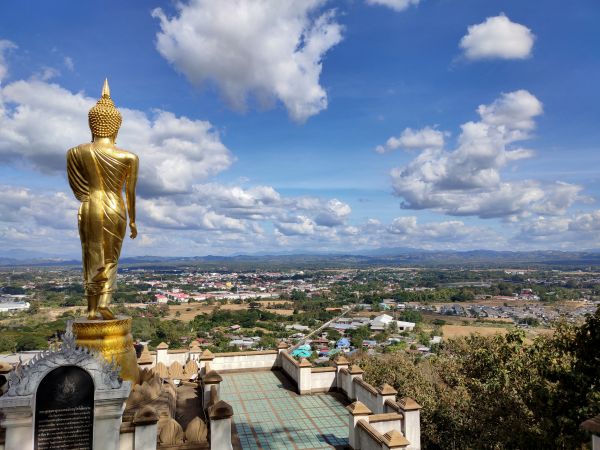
x=130 y=183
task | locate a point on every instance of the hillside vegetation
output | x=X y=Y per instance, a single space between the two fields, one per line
x=499 y=392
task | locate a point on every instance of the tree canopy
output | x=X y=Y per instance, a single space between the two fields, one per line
x=501 y=392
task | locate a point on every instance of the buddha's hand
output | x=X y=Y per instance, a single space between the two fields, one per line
x=133 y=229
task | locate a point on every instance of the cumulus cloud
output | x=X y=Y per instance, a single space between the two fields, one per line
x=467 y=181
x=579 y=230
x=19 y=204
x=39 y=221
x=396 y=5
x=213 y=206
x=450 y=230
x=39 y=121
x=272 y=49
x=497 y=37
x=410 y=139
x=411 y=232
x=298 y=225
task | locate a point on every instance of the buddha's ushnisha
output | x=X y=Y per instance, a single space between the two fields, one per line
x=98 y=172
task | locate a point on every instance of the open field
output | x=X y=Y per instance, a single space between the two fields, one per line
x=454 y=331
x=188 y=311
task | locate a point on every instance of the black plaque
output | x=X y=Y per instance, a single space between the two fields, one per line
x=64 y=410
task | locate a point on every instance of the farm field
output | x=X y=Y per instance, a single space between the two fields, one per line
x=187 y=312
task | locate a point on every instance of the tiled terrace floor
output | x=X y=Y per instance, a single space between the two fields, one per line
x=269 y=415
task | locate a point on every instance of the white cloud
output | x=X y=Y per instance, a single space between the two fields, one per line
x=39 y=121
x=272 y=49
x=237 y=208
x=22 y=205
x=579 y=231
x=468 y=181
x=299 y=225
x=452 y=230
x=409 y=231
x=333 y=213
x=410 y=139
x=5 y=47
x=497 y=37
x=396 y=5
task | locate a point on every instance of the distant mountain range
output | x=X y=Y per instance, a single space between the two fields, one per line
x=398 y=256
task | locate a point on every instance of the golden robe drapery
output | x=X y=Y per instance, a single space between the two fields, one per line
x=97 y=175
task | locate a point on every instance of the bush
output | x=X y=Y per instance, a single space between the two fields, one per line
x=31 y=342
x=411 y=316
x=498 y=392
x=8 y=344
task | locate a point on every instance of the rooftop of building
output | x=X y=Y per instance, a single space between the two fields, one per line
x=269 y=414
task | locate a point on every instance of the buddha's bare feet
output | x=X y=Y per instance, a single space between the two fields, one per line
x=106 y=313
x=92 y=315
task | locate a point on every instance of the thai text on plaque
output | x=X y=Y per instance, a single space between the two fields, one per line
x=64 y=410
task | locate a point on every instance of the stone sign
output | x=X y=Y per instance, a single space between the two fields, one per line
x=69 y=398
x=64 y=410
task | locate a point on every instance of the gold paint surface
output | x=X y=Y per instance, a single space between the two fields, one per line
x=98 y=173
x=111 y=338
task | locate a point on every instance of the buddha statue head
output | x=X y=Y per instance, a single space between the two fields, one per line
x=104 y=118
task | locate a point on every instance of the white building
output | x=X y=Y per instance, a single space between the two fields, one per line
x=14 y=306
x=383 y=321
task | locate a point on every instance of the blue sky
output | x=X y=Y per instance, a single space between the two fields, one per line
x=485 y=114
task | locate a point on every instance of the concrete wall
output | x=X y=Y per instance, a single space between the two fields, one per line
x=368 y=437
x=266 y=359
x=322 y=379
x=181 y=356
x=366 y=394
x=385 y=422
x=223 y=362
x=290 y=366
x=345 y=383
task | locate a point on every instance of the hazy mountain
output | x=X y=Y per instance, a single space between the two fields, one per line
x=398 y=256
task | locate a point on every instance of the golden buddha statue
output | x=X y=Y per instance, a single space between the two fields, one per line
x=98 y=172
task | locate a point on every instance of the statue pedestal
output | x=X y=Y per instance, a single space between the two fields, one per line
x=112 y=339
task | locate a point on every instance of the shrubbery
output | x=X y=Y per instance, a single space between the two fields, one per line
x=500 y=392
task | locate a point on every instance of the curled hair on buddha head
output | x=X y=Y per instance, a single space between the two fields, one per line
x=104 y=118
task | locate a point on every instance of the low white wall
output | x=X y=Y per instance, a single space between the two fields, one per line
x=290 y=366
x=180 y=356
x=365 y=395
x=322 y=379
x=388 y=423
x=345 y=383
x=266 y=359
x=367 y=441
x=223 y=362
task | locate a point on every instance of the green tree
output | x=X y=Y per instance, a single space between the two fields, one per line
x=333 y=334
x=358 y=335
x=8 y=344
x=267 y=341
x=410 y=315
x=499 y=392
x=27 y=342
